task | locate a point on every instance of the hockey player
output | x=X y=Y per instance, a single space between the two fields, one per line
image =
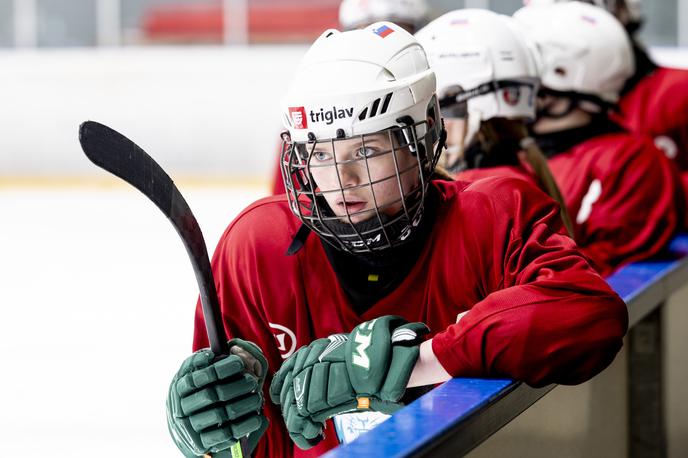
x=487 y=81
x=654 y=100
x=357 y=14
x=622 y=192
x=375 y=244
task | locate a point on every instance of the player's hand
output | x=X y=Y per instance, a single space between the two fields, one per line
x=367 y=369
x=211 y=405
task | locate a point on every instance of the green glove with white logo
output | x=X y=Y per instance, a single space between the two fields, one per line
x=366 y=370
x=212 y=404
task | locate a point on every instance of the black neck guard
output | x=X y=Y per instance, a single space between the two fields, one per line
x=368 y=277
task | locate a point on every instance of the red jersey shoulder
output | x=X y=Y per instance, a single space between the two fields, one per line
x=505 y=189
x=615 y=151
x=658 y=104
x=493 y=201
x=505 y=171
x=663 y=86
x=267 y=223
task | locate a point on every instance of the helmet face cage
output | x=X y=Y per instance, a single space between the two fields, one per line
x=382 y=223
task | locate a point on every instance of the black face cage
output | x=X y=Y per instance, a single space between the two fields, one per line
x=379 y=230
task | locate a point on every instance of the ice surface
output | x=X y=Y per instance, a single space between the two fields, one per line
x=96 y=314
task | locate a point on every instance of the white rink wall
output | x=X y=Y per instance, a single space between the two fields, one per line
x=197 y=110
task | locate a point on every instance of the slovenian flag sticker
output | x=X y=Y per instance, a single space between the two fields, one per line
x=383 y=31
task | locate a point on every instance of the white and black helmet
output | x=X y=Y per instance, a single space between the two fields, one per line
x=485 y=67
x=351 y=85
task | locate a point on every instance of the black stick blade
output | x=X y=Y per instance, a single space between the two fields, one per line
x=115 y=153
x=112 y=151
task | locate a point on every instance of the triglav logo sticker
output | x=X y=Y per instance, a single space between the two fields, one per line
x=298 y=117
x=328 y=117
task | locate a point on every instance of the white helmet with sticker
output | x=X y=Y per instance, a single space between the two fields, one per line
x=349 y=86
x=583 y=49
x=480 y=58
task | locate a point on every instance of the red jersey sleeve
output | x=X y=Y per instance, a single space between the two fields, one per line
x=551 y=318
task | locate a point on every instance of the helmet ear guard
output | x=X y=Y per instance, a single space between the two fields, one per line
x=407 y=135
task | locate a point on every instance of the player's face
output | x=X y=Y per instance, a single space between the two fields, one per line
x=456 y=135
x=552 y=113
x=369 y=173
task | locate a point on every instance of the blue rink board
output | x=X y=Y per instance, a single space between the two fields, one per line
x=642 y=284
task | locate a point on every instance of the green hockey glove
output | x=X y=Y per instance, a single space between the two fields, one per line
x=367 y=369
x=211 y=405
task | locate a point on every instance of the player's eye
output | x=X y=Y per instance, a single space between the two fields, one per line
x=321 y=156
x=366 y=152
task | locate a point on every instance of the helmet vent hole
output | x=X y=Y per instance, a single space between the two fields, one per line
x=385 y=104
x=363 y=114
x=373 y=110
x=560 y=71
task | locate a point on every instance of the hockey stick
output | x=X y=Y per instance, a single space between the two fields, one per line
x=115 y=153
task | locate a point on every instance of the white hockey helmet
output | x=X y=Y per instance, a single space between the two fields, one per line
x=349 y=85
x=583 y=49
x=630 y=9
x=481 y=59
x=354 y=14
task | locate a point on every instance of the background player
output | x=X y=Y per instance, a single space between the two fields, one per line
x=409 y=14
x=370 y=233
x=654 y=100
x=487 y=80
x=624 y=194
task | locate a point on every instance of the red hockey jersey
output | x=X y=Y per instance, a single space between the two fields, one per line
x=520 y=172
x=623 y=196
x=536 y=310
